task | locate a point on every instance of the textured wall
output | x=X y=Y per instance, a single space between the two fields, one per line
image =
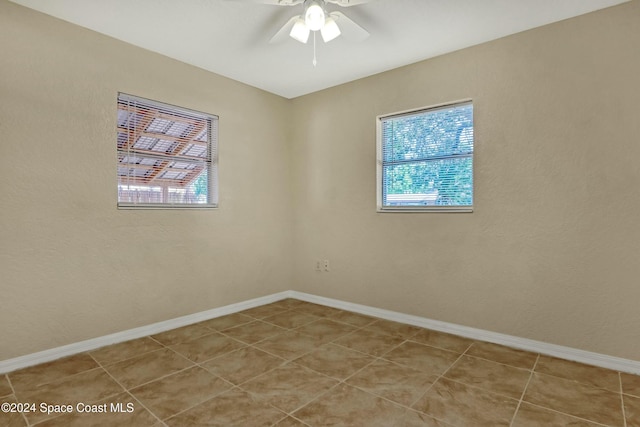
x=551 y=251
x=73 y=266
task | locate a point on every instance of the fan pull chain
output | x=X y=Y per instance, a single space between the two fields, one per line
x=314 y=49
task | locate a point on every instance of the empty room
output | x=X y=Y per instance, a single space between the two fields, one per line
x=320 y=213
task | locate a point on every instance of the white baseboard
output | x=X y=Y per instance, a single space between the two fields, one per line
x=596 y=359
x=32 y=359
x=562 y=352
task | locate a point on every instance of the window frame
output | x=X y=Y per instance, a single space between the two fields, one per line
x=211 y=162
x=380 y=208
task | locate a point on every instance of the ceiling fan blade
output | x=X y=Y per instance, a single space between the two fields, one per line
x=283 y=32
x=350 y=30
x=347 y=3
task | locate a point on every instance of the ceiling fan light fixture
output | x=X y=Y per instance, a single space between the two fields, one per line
x=330 y=30
x=300 y=31
x=314 y=15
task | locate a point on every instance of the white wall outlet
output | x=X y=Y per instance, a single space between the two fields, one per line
x=325 y=265
x=318 y=265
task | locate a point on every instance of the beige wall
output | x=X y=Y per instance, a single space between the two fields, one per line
x=551 y=251
x=73 y=266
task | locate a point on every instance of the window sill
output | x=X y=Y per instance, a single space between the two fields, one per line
x=430 y=209
x=135 y=206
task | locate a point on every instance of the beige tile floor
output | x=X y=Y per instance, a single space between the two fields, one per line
x=293 y=363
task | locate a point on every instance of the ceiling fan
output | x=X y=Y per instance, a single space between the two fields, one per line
x=315 y=17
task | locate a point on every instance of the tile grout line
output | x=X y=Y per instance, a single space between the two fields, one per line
x=206 y=400
x=406 y=407
x=99 y=367
x=597 y=423
x=533 y=369
x=254 y=345
x=375 y=359
x=583 y=384
x=126 y=390
x=290 y=413
x=324 y=393
x=438 y=377
x=284 y=362
x=182 y=370
x=154 y=379
x=624 y=413
x=103 y=365
x=499 y=363
x=198 y=364
x=380 y=357
x=195 y=364
x=293 y=361
x=441 y=376
x=297 y=419
x=369 y=354
x=15 y=396
x=246 y=345
x=223 y=332
x=153 y=414
x=60 y=378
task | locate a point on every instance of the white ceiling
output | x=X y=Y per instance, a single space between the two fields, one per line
x=230 y=37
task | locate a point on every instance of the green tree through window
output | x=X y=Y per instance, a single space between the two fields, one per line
x=427 y=158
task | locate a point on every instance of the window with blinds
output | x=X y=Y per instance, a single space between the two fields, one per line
x=425 y=159
x=166 y=155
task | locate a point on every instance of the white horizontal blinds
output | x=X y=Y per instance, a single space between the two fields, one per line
x=427 y=157
x=164 y=154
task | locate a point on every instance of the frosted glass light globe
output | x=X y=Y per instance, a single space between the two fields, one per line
x=314 y=17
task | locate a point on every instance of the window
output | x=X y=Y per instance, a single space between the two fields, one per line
x=425 y=159
x=166 y=155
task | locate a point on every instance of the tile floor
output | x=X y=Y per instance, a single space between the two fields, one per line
x=294 y=363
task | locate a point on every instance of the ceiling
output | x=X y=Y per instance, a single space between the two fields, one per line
x=231 y=37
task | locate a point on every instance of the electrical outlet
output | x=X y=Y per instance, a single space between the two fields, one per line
x=326 y=265
x=318 y=265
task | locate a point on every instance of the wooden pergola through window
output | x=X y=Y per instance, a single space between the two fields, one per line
x=163 y=152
